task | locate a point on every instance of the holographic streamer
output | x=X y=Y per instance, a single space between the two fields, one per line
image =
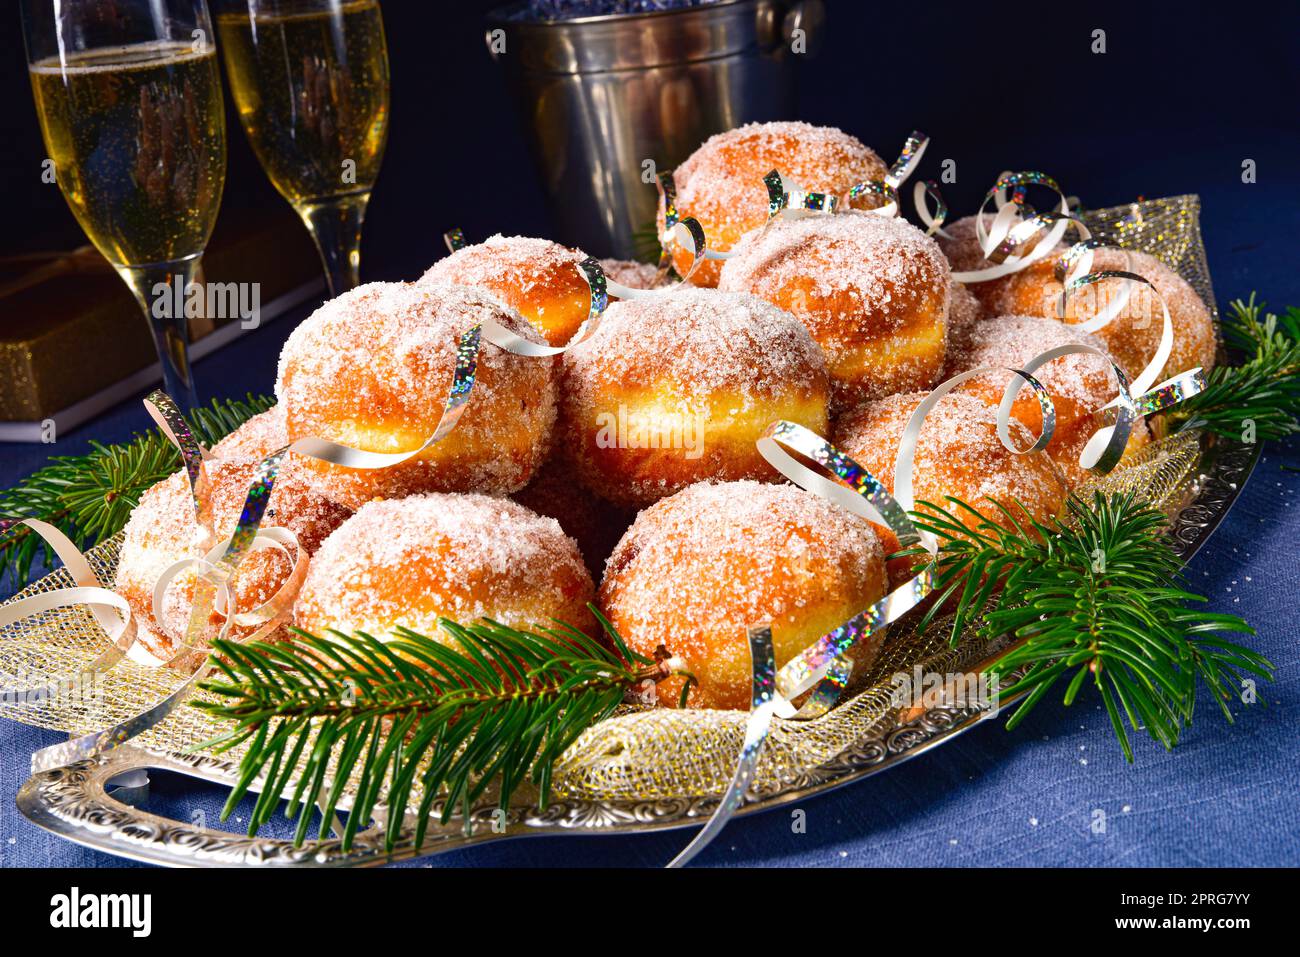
x=173 y=424
x=908 y=158
x=266 y=618
x=846 y=483
x=827 y=693
x=454 y=238
x=1147 y=377
x=598 y=286
x=764 y=705
x=1172 y=391
x=933 y=221
x=875 y=187
x=825 y=663
x=786 y=196
x=1008 y=242
x=898 y=174
x=817 y=660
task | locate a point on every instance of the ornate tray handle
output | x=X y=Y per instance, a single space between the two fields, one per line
x=79 y=802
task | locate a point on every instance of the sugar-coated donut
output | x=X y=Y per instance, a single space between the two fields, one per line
x=1079 y=383
x=372 y=369
x=721 y=183
x=676 y=388
x=256 y=438
x=634 y=275
x=697 y=569
x=163 y=530
x=463 y=557
x=873 y=291
x=958 y=453
x=1133 y=335
x=595 y=524
x=964 y=311
x=535 y=276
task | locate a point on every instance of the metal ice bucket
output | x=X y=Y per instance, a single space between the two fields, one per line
x=604 y=97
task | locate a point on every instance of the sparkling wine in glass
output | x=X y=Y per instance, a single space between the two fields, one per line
x=310 y=81
x=128 y=94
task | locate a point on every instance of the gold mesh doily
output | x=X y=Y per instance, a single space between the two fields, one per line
x=637 y=754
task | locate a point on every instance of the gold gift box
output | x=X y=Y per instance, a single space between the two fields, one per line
x=69 y=327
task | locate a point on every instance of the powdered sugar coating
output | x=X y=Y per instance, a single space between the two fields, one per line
x=964 y=311
x=696 y=569
x=958 y=453
x=538 y=277
x=724 y=365
x=1079 y=383
x=372 y=369
x=162 y=530
x=458 y=556
x=721 y=183
x=257 y=438
x=873 y=290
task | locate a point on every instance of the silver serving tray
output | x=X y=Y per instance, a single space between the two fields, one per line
x=74 y=801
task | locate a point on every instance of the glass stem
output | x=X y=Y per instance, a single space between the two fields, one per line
x=335 y=225
x=161 y=289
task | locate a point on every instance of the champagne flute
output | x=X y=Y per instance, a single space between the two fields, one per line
x=310 y=81
x=129 y=99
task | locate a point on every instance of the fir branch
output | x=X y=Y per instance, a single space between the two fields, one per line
x=1095 y=595
x=1260 y=399
x=90 y=497
x=495 y=705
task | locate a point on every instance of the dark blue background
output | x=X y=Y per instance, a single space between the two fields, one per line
x=1180 y=99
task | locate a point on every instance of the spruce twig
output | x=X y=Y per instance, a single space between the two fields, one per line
x=486 y=705
x=1258 y=400
x=1096 y=595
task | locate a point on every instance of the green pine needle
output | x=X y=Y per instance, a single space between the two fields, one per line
x=1093 y=597
x=1258 y=400
x=493 y=705
x=90 y=497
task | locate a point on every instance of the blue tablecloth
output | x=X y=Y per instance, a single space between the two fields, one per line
x=1225 y=796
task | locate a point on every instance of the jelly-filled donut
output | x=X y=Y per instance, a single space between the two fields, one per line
x=372 y=370
x=872 y=290
x=721 y=183
x=958 y=454
x=676 y=388
x=537 y=277
x=1133 y=335
x=163 y=530
x=464 y=557
x=1080 y=384
x=698 y=568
